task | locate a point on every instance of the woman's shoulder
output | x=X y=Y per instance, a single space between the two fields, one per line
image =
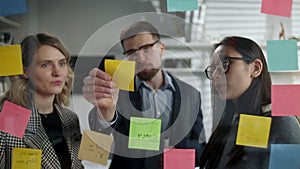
x=285 y=121
x=65 y=110
x=285 y=129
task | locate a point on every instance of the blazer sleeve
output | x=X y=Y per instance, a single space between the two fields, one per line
x=98 y=125
x=285 y=130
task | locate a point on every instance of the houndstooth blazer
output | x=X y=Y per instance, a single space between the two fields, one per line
x=35 y=137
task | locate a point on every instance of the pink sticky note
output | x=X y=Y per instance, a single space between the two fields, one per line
x=285 y=100
x=179 y=158
x=14 y=119
x=277 y=7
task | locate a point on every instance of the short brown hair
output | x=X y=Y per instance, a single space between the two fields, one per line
x=136 y=28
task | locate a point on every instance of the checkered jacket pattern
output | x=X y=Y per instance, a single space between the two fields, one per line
x=35 y=137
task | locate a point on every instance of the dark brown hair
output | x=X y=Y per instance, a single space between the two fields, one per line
x=137 y=28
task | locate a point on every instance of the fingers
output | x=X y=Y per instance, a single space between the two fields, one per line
x=95 y=72
x=98 y=84
x=99 y=89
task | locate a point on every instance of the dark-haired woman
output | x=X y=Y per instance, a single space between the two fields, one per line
x=239 y=76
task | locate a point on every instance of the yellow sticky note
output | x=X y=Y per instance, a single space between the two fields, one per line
x=144 y=133
x=95 y=147
x=122 y=72
x=26 y=158
x=253 y=131
x=10 y=60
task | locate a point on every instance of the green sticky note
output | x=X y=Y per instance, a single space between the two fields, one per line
x=11 y=60
x=253 y=131
x=144 y=133
x=282 y=55
x=181 y=5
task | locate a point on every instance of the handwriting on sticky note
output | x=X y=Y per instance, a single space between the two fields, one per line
x=144 y=133
x=179 y=158
x=122 y=73
x=282 y=55
x=277 y=7
x=95 y=147
x=285 y=100
x=14 y=119
x=253 y=131
x=26 y=158
x=10 y=60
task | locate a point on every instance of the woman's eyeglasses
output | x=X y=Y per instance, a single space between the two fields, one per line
x=145 y=49
x=226 y=61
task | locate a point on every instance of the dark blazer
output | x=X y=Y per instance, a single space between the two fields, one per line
x=284 y=130
x=183 y=132
x=35 y=137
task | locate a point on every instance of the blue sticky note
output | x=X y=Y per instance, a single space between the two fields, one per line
x=181 y=5
x=12 y=7
x=285 y=156
x=282 y=55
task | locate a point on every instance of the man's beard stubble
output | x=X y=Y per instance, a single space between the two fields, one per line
x=146 y=76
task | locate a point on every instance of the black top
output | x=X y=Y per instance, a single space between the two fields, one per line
x=53 y=128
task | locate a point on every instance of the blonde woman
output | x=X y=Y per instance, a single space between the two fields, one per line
x=44 y=88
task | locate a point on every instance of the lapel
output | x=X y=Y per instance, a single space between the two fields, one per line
x=175 y=111
x=176 y=100
x=70 y=131
x=135 y=98
x=129 y=103
x=36 y=137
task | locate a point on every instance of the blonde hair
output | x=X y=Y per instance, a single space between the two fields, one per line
x=20 y=90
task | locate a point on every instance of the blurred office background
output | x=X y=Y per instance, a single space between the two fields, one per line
x=76 y=21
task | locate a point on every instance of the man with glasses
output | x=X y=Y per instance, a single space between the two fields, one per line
x=157 y=94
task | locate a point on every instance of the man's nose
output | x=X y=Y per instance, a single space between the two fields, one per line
x=140 y=56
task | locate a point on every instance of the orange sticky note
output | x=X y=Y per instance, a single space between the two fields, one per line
x=179 y=158
x=285 y=100
x=26 y=158
x=14 y=119
x=277 y=7
x=10 y=60
x=253 y=131
x=95 y=147
x=122 y=72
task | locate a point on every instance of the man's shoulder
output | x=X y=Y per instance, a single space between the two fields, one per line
x=180 y=83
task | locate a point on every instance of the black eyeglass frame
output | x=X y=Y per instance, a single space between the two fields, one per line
x=140 y=48
x=226 y=62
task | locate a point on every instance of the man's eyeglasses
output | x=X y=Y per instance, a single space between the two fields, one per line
x=224 y=68
x=145 y=49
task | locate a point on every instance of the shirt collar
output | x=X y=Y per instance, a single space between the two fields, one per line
x=168 y=84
